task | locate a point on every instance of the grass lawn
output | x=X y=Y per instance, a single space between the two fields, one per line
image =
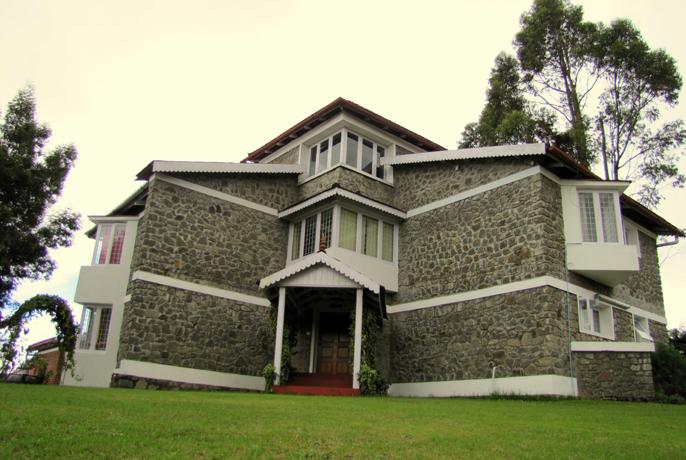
x=39 y=421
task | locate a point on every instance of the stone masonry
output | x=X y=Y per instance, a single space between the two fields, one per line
x=612 y=375
x=522 y=333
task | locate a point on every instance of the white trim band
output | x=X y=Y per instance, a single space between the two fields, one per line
x=475 y=191
x=217 y=194
x=532 y=283
x=553 y=385
x=188 y=375
x=199 y=288
x=628 y=347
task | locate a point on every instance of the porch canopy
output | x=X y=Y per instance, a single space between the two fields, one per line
x=320 y=279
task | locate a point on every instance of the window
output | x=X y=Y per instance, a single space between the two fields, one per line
x=371 y=236
x=354 y=232
x=595 y=318
x=95 y=326
x=599 y=217
x=642 y=329
x=109 y=244
x=348 y=230
x=631 y=237
x=359 y=153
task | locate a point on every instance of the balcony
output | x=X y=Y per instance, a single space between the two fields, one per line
x=606 y=263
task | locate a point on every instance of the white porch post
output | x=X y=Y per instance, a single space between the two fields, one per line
x=357 y=356
x=278 y=346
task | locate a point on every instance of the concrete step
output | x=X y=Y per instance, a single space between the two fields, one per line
x=315 y=390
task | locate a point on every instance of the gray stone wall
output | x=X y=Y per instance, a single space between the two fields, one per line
x=349 y=180
x=292 y=157
x=197 y=238
x=659 y=332
x=175 y=327
x=613 y=375
x=493 y=238
x=274 y=190
x=421 y=183
x=523 y=333
x=644 y=289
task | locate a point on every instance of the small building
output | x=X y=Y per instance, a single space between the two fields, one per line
x=512 y=269
x=48 y=351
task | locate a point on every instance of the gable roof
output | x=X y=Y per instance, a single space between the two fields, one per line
x=321 y=258
x=329 y=111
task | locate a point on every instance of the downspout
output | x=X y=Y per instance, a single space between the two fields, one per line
x=668 y=243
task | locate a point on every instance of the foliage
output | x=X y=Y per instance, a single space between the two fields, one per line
x=669 y=371
x=554 y=47
x=30 y=182
x=39 y=365
x=60 y=312
x=507 y=118
x=677 y=337
x=290 y=340
x=47 y=421
x=637 y=79
x=371 y=380
x=660 y=397
x=269 y=377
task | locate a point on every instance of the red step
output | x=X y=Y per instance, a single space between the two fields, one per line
x=314 y=390
x=321 y=380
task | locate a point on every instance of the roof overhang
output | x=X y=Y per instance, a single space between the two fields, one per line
x=334 y=108
x=337 y=191
x=320 y=259
x=468 y=154
x=158 y=166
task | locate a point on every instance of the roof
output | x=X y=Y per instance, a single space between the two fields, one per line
x=216 y=167
x=338 y=191
x=321 y=258
x=468 y=154
x=43 y=345
x=329 y=111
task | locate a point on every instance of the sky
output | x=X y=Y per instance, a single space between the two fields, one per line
x=129 y=82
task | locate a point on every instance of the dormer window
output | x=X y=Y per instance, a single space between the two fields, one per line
x=348 y=148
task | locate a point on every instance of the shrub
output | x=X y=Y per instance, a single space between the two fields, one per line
x=669 y=371
x=371 y=382
x=269 y=377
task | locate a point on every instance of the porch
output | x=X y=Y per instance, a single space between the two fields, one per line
x=319 y=324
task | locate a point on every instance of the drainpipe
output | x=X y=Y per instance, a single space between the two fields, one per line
x=668 y=243
x=493 y=378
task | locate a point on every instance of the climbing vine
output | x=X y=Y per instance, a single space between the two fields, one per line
x=13 y=325
x=371 y=381
x=290 y=340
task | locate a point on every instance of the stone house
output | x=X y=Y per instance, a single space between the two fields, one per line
x=511 y=269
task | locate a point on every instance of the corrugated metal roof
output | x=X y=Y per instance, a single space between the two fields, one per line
x=217 y=167
x=468 y=154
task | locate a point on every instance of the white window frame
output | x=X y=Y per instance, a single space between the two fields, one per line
x=88 y=340
x=376 y=159
x=597 y=214
x=641 y=334
x=631 y=237
x=108 y=249
x=335 y=232
x=587 y=322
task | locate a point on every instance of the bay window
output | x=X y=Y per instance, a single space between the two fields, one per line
x=95 y=326
x=109 y=244
x=350 y=149
x=599 y=217
x=339 y=227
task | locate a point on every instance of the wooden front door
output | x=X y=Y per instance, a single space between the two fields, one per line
x=334 y=344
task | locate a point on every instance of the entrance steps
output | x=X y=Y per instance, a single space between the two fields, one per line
x=319 y=385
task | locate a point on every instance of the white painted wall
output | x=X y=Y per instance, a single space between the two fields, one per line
x=103 y=285
x=383 y=272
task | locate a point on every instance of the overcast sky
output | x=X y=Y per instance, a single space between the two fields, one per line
x=132 y=81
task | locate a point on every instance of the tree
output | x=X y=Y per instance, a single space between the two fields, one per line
x=637 y=80
x=31 y=180
x=30 y=183
x=677 y=337
x=506 y=117
x=555 y=50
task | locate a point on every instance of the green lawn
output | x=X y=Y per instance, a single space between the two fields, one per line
x=38 y=421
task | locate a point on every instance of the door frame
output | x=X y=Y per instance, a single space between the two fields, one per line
x=314 y=336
